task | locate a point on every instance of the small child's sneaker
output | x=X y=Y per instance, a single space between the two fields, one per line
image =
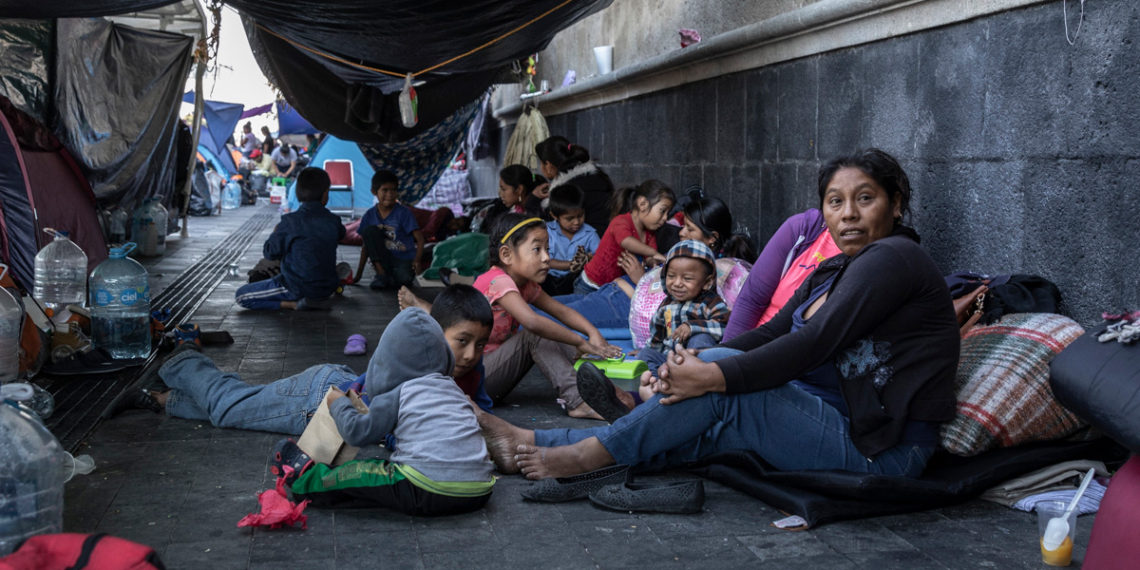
x=287 y=454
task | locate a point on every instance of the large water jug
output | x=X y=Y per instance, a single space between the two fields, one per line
x=33 y=469
x=120 y=305
x=231 y=196
x=148 y=229
x=61 y=273
x=11 y=319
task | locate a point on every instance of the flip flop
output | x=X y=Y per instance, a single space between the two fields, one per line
x=598 y=392
x=356 y=344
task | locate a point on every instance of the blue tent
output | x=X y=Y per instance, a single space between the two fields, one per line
x=221 y=162
x=355 y=202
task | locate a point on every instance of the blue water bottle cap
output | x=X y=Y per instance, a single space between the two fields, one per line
x=122 y=251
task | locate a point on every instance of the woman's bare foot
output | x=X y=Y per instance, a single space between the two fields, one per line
x=584 y=411
x=409 y=299
x=542 y=462
x=160 y=397
x=502 y=440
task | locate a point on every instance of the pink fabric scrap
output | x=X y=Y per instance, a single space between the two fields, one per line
x=689 y=37
x=277 y=511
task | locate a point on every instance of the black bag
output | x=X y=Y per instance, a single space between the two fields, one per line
x=1100 y=382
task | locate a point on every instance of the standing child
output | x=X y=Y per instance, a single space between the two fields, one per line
x=305 y=243
x=572 y=241
x=392 y=239
x=643 y=209
x=438 y=464
x=519 y=264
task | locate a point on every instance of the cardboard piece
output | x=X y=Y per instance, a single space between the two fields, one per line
x=322 y=441
x=426 y=283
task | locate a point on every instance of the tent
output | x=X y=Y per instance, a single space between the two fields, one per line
x=290 y=122
x=360 y=198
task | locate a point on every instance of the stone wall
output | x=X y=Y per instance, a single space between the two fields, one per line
x=1022 y=150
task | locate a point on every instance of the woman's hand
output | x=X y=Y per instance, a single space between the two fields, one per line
x=631 y=265
x=334 y=395
x=685 y=376
x=682 y=333
x=542 y=191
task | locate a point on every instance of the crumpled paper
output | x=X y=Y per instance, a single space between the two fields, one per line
x=277 y=511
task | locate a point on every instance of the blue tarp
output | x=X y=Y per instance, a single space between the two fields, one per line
x=332 y=148
x=290 y=122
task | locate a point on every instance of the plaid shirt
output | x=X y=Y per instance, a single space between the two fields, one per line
x=707 y=314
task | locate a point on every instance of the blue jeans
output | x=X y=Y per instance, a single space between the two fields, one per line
x=199 y=391
x=655 y=358
x=265 y=295
x=581 y=287
x=397 y=271
x=789 y=428
x=606 y=308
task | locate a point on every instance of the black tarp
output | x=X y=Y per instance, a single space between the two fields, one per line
x=18 y=243
x=25 y=56
x=118 y=90
x=47 y=9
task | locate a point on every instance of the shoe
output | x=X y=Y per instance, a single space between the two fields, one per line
x=680 y=497
x=314 y=304
x=597 y=391
x=561 y=489
x=378 y=283
x=133 y=399
x=356 y=345
x=187 y=333
x=288 y=461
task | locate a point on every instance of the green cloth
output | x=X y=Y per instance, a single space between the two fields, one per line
x=466 y=254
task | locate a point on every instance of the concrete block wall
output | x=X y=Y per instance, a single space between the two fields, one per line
x=1023 y=151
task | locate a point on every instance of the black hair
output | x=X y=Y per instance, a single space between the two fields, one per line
x=312 y=183
x=652 y=190
x=712 y=215
x=878 y=166
x=458 y=303
x=519 y=175
x=383 y=177
x=562 y=153
x=503 y=224
x=566 y=198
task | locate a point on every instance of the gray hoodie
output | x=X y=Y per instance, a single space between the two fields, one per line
x=415 y=399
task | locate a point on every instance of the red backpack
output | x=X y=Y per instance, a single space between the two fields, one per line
x=71 y=551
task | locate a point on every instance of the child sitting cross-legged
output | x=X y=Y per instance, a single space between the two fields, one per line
x=197 y=390
x=439 y=463
x=572 y=241
x=392 y=238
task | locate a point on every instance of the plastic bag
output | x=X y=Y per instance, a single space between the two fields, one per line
x=409 y=104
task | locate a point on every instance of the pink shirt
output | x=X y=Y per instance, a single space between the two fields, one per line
x=493 y=284
x=822 y=248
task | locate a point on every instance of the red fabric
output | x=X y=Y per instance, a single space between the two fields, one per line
x=352 y=234
x=61 y=551
x=340 y=173
x=64 y=202
x=277 y=510
x=1113 y=543
x=603 y=268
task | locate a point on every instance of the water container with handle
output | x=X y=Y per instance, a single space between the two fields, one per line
x=61 y=273
x=231 y=196
x=120 y=305
x=33 y=469
x=148 y=229
x=11 y=320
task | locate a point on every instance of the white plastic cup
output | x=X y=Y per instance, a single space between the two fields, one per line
x=604 y=56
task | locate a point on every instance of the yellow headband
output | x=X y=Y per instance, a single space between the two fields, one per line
x=517 y=226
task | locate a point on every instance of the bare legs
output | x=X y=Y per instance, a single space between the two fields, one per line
x=512 y=449
x=409 y=299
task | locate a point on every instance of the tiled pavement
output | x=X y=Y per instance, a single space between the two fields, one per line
x=180 y=486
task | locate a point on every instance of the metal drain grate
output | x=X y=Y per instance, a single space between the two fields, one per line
x=80 y=402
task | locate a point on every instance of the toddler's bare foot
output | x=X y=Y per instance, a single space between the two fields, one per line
x=502 y=439
x=585 y=411
x=408 y=299
x=160 y=397
x=291 y=305
x=563 y=461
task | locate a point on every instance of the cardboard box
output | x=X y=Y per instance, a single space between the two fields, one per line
x=322 y=441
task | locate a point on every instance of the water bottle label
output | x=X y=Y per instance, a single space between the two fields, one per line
x=103 y=298
x=132 y=295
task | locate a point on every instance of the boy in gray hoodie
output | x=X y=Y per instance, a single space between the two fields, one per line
x=439 y=463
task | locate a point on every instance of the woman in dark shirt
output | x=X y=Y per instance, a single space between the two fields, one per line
x=854 y=373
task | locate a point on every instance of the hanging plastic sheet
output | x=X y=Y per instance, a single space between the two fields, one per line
x=118 y=91
x=25 y=50
x=76 y=8
x=420 y=161
x=290 y=122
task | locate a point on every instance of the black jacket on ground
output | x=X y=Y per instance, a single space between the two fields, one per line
x=888 y=326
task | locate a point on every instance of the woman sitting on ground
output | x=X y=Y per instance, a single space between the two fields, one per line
x=855 y=373
x=563 y=162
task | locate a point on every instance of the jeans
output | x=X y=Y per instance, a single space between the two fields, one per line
x=606 y=308
x=581 y=287
x=265 y=295
x=786 y=426
x=655 y=358
x=199 y=391
x=397 y=271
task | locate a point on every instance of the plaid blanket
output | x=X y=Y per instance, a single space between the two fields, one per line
x=1002 y=384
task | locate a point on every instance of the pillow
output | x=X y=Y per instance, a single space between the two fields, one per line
x=1002 y=384
x=730 y=276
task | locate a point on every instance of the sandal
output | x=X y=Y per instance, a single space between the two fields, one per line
x=561 y=489
x=681 y=497
x=597 y=391
x=356 y=345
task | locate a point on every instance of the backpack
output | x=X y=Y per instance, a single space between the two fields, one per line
x=73 y=551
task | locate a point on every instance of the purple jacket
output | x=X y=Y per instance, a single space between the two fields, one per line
x=795 y=235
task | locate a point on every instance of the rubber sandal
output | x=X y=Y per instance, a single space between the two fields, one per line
x=598 y=392
x=356 y=345
x=561 y=489
x=678 y=497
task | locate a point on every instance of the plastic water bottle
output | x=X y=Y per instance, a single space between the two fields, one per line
x=148 y=229
x=117 y=233
x=33 y=469
x=11 y=319
x=120 y=305
x=231 y=196
x=61 y=273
